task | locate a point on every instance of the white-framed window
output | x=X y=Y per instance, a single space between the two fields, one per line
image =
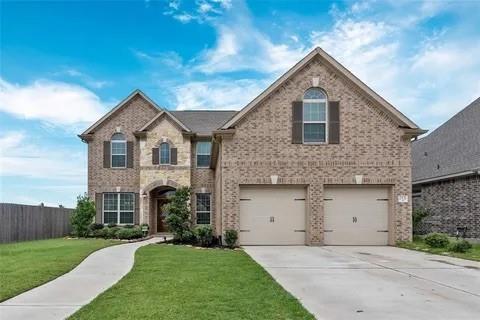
x=315 y=116
x=164 y=153
x=203 y=154
x=118 y=152
x=118 y=208
x=203 y=208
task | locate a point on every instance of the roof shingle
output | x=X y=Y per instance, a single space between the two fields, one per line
x=203 y=121
x=452 y=148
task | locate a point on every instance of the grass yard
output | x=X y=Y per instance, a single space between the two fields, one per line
x=420 y=245
x=178 y=282
x=25 y=265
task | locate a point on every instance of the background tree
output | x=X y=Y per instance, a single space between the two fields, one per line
x=83 y=216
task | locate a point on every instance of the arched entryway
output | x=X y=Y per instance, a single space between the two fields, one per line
x=159 y=197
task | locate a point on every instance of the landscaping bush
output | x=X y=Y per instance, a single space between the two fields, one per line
x=130 y=233
x=178 y=215
x=83 y=216
x=461 y=246
x=99 y=233
x=111 y=225
x=437 y=240
x=129 y=226
x=96 y=226
x=204 y=235
x=231 y=237
x=112 y=233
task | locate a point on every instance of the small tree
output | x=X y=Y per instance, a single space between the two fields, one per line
x=83 y=215
x=418 y=215
x=179 y=215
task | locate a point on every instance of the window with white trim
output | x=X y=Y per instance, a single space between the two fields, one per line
x=203 y=154
x=118 y=151
x=164 y=153
x=203 y=208
x=314 y=116
x=118 y=208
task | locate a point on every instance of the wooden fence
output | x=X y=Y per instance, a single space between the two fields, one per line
x=19 y=222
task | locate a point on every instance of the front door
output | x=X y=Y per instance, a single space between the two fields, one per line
x=161 y=215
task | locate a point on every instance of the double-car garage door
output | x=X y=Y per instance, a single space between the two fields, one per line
x=276 y=215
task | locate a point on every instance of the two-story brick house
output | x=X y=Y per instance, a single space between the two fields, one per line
x=317 y=158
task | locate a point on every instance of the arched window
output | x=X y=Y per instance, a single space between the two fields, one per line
x=164 y=153
x=314 y=116
x=119 y=151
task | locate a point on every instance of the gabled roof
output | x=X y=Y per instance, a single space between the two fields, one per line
x=399 y=117
x=166 y=114
x=118 y=107
x=452 y=149
x=203 y=122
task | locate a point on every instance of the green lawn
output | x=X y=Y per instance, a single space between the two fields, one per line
x=420 y=245
x=25 y=265
x=178 y=282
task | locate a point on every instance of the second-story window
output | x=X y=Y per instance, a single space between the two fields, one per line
x=203 y=154
x=119 y=151
x=164 y=153
x=314 y=116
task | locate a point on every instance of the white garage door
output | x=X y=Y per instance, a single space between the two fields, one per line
x=272 y=215
x=356 y=215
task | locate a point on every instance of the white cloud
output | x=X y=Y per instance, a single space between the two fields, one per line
x=20 y=156
x=217 y=94
x=56 y=103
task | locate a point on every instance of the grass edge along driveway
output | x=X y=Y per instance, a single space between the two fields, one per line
x=179 y=282
x=419 y=244
x=26 y=265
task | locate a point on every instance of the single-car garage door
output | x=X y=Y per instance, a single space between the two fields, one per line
x=272 y=215
x=356 y=215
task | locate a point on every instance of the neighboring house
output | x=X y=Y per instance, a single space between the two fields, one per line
x=446 y=179
x=317 y=158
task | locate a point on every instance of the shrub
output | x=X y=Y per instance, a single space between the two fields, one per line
x=83 y=216
x=418 y=215
x=130 y=233
x=111 y=233
x=129 y=226
x=204 y=235
x=461 y=246
x=178 y=215
x=96 y=226
x=99 y=233
x=437 y=240
x=231 y=237
x=111 y=225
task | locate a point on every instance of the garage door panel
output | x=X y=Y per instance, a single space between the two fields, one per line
x=272 y=215
x=356 y=215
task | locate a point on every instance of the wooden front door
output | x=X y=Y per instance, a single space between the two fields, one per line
x=161 y=224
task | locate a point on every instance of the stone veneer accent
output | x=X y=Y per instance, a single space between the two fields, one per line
x=371 y=144
x=453 y=203
x=164 y=129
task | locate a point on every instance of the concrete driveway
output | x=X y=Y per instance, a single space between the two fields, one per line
x=375 y=282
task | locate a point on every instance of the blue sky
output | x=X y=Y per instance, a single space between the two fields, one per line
x=64 y=64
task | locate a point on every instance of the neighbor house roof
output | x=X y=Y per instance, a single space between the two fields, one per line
x=203 y=122
x=453 y=149
x=396 y=115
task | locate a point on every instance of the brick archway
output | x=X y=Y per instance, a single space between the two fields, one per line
x=160 y=183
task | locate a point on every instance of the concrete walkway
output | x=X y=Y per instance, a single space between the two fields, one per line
x=66 y=294
x=375 y=282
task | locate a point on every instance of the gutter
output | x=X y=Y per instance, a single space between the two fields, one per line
x=474 y=172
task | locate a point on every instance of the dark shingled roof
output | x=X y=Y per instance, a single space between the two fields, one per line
x=203 y=121
x=452 y=148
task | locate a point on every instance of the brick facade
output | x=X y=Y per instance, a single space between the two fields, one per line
x=452 y=204
x=371 y=144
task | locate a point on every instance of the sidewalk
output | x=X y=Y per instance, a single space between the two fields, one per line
x=61 y=297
